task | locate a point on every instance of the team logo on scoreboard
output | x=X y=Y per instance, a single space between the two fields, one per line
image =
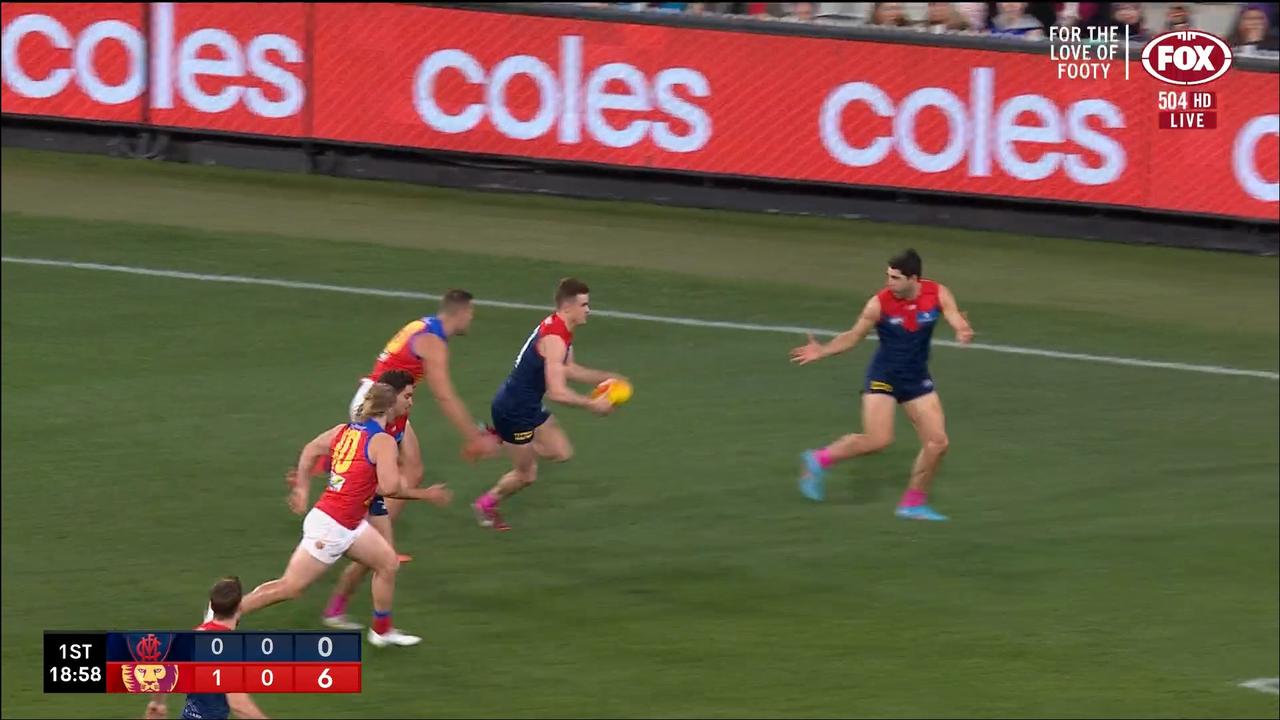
x=149 y=673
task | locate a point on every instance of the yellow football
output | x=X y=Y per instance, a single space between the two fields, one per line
x=618 y=391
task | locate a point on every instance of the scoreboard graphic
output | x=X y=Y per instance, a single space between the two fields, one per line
x=202 y=662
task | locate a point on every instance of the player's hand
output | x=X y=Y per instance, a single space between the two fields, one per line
x=298 y=500
x=481 y=445
x=805 y=354
x=601 y=405
x=156 y=710
x=964 y=335
x=439 y=495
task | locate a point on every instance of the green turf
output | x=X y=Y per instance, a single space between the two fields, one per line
x=1115 y=544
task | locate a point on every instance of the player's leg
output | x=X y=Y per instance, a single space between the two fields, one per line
x=524 y=471
x=324 y=540
x=926 y=415
x=876 y=435
x=304 y=568
x=335 y=613
x=371 y=549
x=551 y=442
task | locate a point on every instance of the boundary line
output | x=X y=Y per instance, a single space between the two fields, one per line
x=689 y=322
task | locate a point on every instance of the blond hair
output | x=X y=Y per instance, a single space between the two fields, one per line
x=380 y=398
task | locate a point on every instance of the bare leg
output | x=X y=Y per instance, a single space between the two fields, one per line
x=877 y=430
x=926 y=415
x=299 y=574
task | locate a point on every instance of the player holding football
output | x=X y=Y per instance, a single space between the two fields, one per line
x=224 y=602
x=904 y=314
x=544 y=367
x=421 y=348
x=363 y=464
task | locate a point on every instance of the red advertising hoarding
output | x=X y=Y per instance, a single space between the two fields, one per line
x=708 y=101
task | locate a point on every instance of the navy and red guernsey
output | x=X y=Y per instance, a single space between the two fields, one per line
x=900 y=366
x=517 y=407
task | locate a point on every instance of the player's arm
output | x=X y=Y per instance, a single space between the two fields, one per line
x=243 y=706
x=951 y=311
x=299 y=478
x=554 y=350
x=156 y=709
x=385 y=456
x=577 y=373
x=845 y=341
x=435 y=359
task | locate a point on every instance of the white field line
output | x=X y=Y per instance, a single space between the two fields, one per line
x=1271 y=686
x=690 y=322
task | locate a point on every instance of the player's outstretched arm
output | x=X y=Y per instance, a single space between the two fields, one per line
x=435 y=359
x=391 y=483
x=844 y=342
x=578 y=373
x=951 y=311
x=299 y=479
x=243 y=706
x=554 y=351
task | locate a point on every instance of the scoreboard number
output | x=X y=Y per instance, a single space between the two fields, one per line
x=325 y=680
x=325 y=646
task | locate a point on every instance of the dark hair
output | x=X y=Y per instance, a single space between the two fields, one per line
x=224 y=598
x=455 y=299
x=570 y=288
x=908 y=263
x=397 y=379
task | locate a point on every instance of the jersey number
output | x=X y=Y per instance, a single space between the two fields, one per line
x=397 y=343
x=345 y=451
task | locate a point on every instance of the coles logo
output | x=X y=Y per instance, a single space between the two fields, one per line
x=1190 y=57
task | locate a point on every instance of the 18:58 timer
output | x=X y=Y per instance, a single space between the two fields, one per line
x=67 y=674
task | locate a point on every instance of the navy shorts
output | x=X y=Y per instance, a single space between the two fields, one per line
x=378 y=507
x=516 y=427
x=902 y=389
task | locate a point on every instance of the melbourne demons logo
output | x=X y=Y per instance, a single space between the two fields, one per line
x=149 y=674
x=1186 y=57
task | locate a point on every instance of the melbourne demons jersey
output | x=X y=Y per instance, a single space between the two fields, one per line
x=905 y=329
x=527 y=383
x=207 y=706
x=398 y=353
x=353 y=478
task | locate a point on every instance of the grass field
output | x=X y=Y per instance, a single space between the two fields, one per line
x=1114 y=544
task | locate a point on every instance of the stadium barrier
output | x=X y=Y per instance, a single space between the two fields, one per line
x=983 y=117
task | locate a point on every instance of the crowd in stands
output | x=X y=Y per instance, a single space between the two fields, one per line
x=1250 y=28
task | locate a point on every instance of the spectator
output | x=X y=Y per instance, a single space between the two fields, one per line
x=801 y=12
x=941 y=17
x=1012 y=19
x=1129 y=14
x=1176 y=17
x=974 y=14
x=888 y=14
x=1252 y=33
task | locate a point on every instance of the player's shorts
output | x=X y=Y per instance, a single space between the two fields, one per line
x=902 y=390
x=517 y=426
x=325 y=539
